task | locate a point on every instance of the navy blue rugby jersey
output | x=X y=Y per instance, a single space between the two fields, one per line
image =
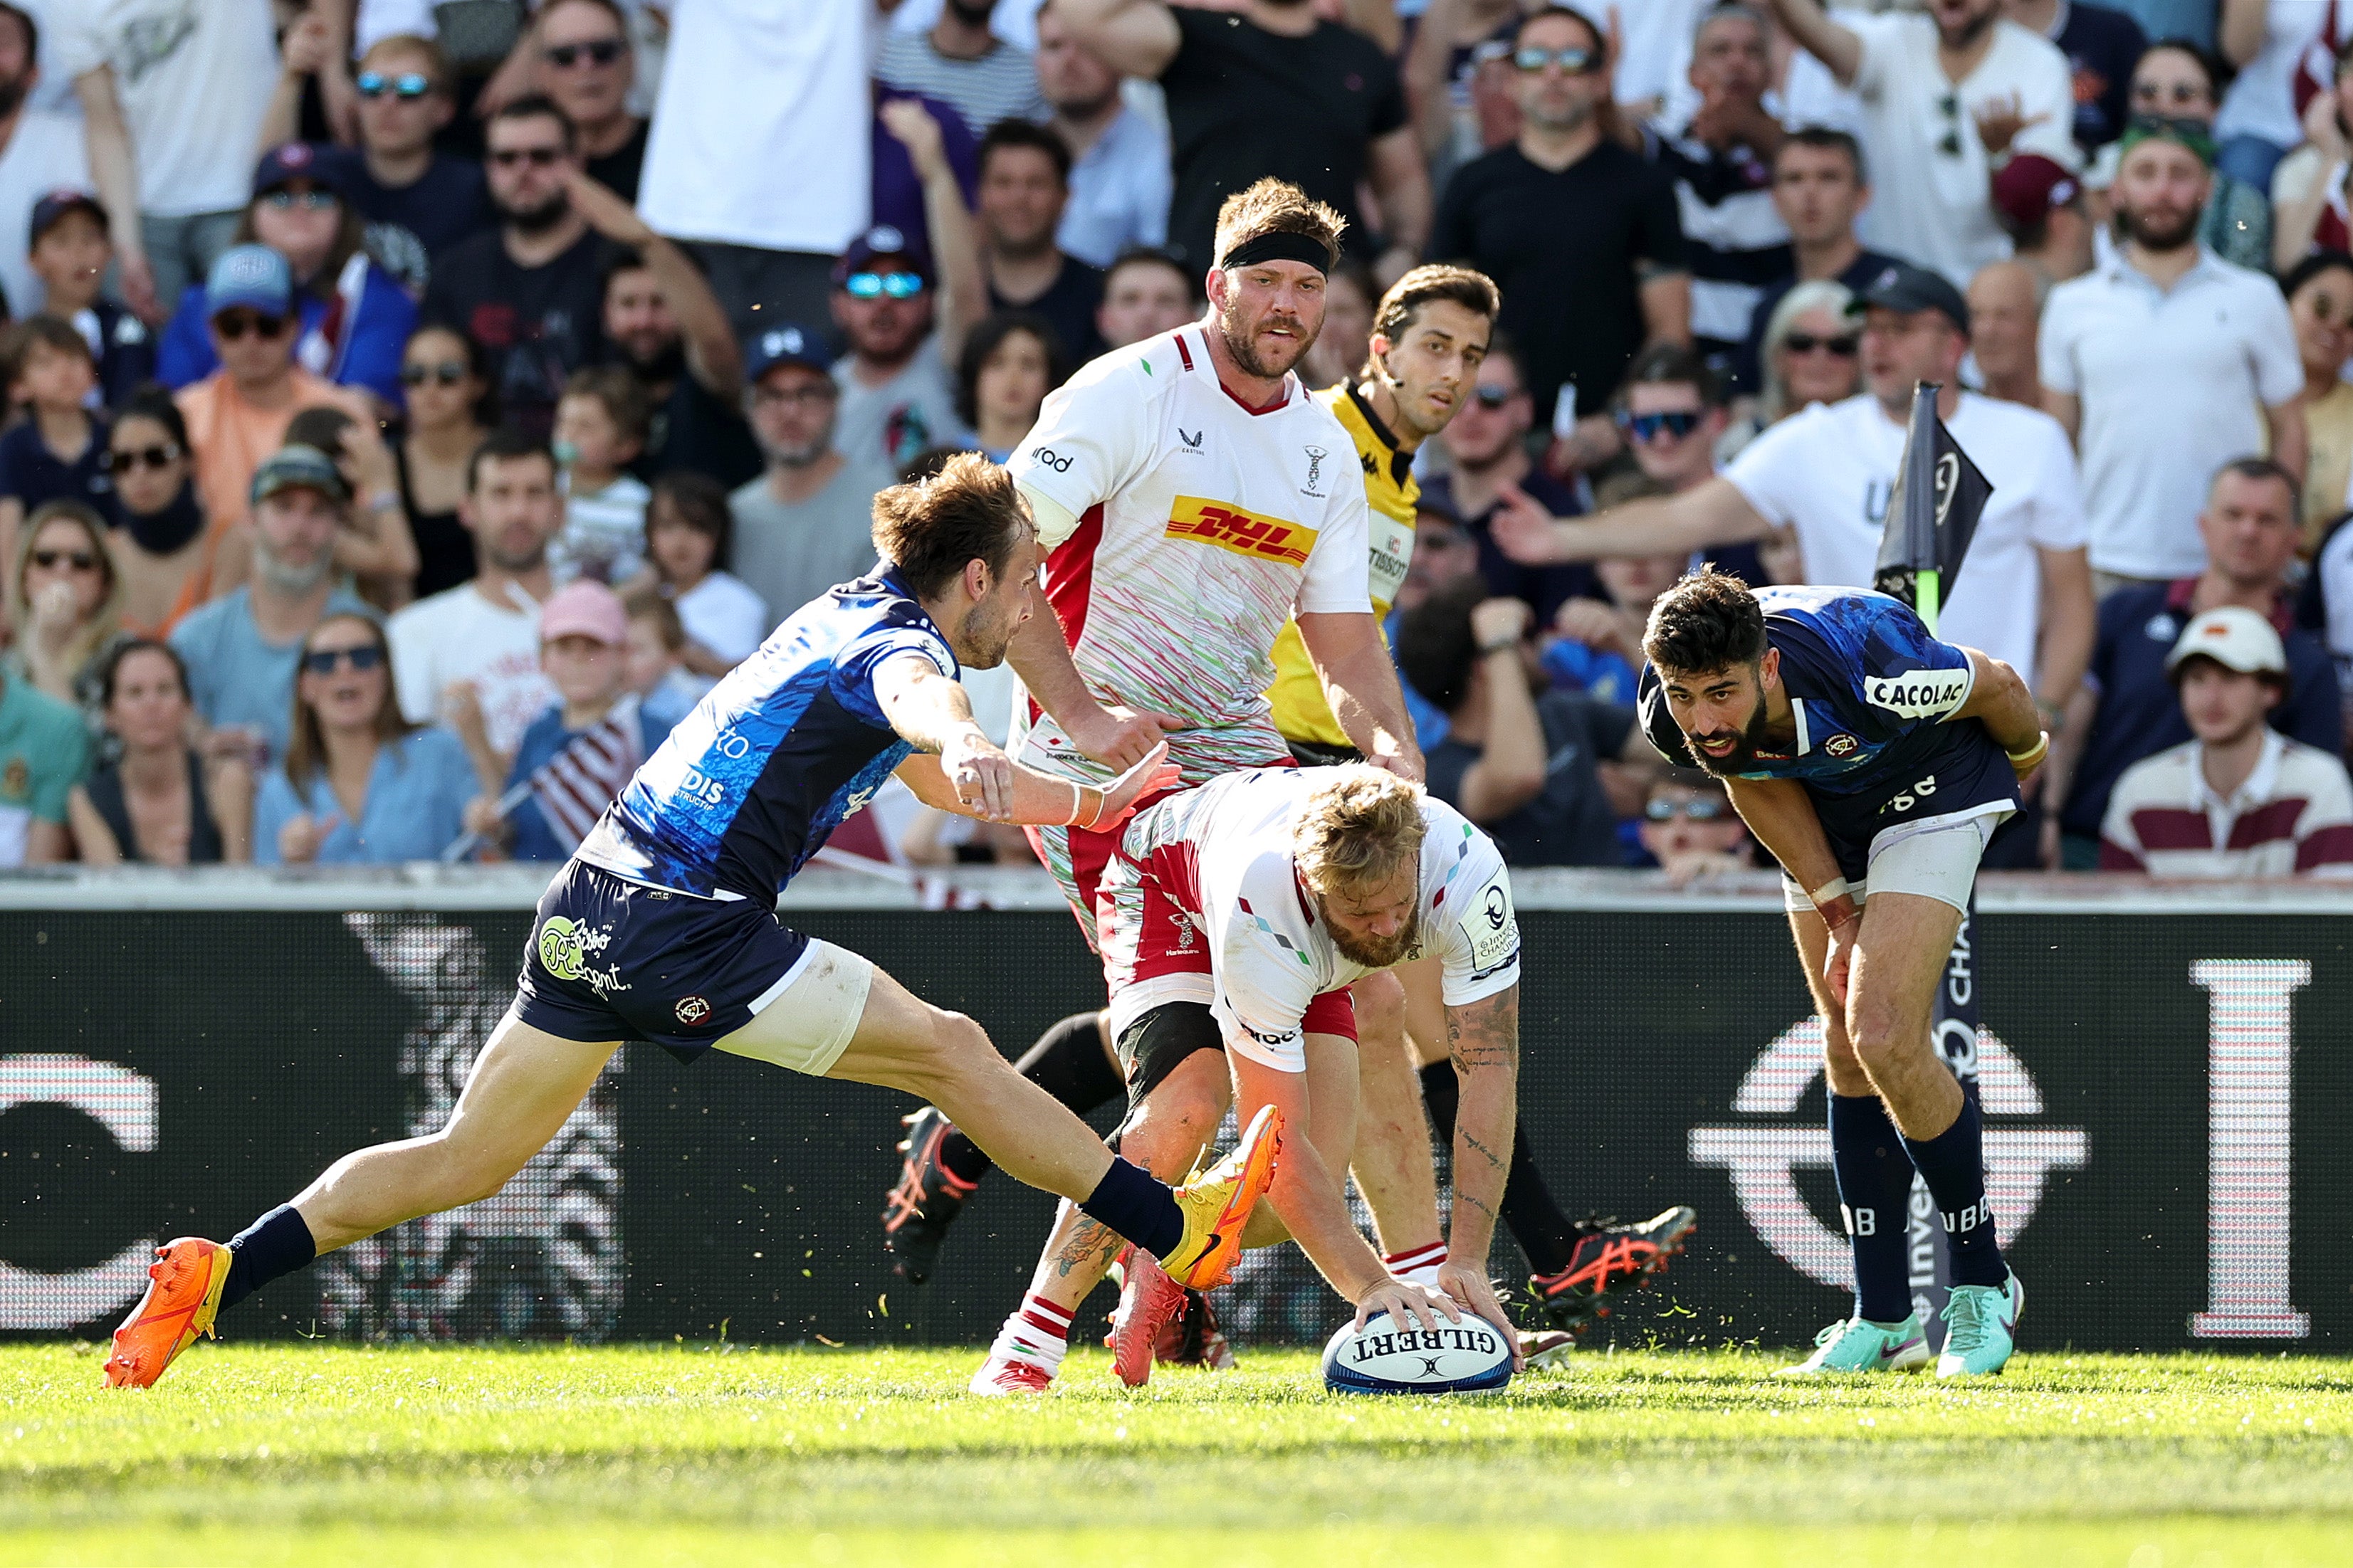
x=752 y=783
x=1874 y=695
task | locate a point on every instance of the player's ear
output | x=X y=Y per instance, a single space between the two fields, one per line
x=976 y=578
x=1768 y=669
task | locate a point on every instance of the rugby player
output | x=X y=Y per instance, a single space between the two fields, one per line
x=1872 y=760
x=662 y=926
x=1430 y=334
x=1233 y=918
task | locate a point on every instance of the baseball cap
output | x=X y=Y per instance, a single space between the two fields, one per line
x=2031 y=187
x=789 y=343
x=298 y=160
x=252 y=275
x=882 y=242
x=300 y=468
x=2234 y=636
x=56 y=204
x=1905 y=288
x=586 y=608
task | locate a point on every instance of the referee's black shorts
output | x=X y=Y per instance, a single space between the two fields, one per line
x=1316 y=754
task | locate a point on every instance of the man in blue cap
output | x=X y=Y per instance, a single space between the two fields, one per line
x=803 y=525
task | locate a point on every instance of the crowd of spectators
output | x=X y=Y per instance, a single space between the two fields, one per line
x=411 y=410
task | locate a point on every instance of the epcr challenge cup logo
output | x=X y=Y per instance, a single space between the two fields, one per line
x=1763 y=1156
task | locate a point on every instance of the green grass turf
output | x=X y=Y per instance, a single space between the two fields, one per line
x=264 y=1455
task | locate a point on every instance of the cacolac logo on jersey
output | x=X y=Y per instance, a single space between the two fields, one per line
x=1244 y=533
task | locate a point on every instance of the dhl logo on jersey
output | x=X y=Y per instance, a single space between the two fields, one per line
x=1244 y=533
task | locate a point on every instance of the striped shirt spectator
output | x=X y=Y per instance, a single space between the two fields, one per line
x=984 y=77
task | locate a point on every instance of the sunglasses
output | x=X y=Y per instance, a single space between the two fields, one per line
x=309 y=201
x=1493 y=397
x=122 y=459
x=2180 y=93
x=323 y=661
x=1949 y=106
x=1575 y=62
x=1699 y=809
x=449 y=373
x=599 y=51
x=807 y=396
x=1647 y=427
x=234 y=324
x=407 y=85
x=537 y=157
x=50 y=559
x=877 y=285
x=1807 y=342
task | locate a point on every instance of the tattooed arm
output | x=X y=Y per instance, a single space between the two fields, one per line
x=1483 y=1042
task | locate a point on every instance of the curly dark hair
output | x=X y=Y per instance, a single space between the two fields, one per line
x=1708 y=622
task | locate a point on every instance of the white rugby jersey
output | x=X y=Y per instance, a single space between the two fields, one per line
x=1202 y=526
x=1222 y=855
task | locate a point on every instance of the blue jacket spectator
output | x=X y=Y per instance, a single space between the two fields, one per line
x=355 y=317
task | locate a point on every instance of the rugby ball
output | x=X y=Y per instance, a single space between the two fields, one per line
x=1472 y=1356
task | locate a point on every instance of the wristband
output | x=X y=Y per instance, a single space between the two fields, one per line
x=1081 y=816
x=2031 y=754
x=385 y=500
x=1831 y=892
x=1489 y=649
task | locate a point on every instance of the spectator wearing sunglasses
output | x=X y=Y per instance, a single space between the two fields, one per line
x=1812 y=353
x=2311 y=183
x=1689 y=828
x=58 y=451
x=359 y=785
x=1565 y=214
x=1820 y=185
x=351 y=315
x=443 y=373
x=242 y=648
x=163 y=549
x=65 y=602
x=586 y=65
x=2175 y=77
x=418 y=201
x=1947 y=95
x=2023 y=594
x=238 y=415
x=531 y=291
x=1537 y=770
x=71 y=250
x=155 y=801
x=898 y=397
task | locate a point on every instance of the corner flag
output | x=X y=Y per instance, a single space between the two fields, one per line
x=1939 y=496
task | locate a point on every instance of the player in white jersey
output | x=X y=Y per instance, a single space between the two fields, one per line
x=1233 y=919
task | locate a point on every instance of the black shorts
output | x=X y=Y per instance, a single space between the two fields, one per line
x=1965 y=780
x=611 y=959
x=1157 y=1043
x=1316 y=755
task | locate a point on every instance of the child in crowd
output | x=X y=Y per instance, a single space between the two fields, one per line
x=687 y=524
x=59 y=453
x=667 y=690
x=1689 y=828
x=72 y=247
x=601 y=424
x=576 y=755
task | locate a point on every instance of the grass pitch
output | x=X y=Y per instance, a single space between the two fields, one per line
x=265 y=1455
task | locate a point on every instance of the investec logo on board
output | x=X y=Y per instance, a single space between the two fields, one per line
x=1245 y=533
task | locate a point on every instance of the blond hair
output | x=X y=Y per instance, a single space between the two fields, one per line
x=1359 y=827
x=1277 y=206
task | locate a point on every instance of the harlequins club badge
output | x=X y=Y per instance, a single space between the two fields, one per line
x=691 y=1010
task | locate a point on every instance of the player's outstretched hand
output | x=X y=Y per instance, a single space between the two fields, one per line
x=1153 y=775
x=1475 y=1293
x=980 y=774
x=1121 y=737
x=1407 y=1303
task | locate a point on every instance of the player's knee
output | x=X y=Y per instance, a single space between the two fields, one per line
x=469 y=1175
x=959 y=1049
x=1379 y=1001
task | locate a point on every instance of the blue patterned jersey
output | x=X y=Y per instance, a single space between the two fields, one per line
x=1874 y=695
x=751 y=784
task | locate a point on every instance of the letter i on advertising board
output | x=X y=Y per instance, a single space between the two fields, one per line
x=1939 y=496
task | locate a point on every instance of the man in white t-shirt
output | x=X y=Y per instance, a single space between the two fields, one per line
x=41 y=151
x=1947 y=95
x=173 y=95
x=1235 y=918
x=2023 y=594
x=470 y=656
x=2165 y=364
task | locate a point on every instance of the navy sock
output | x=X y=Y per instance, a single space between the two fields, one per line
x=1067 y=1062
x=277 y=1244
x=1953 y=1162
x=1544 y=1234
x=1139 y=1206
x=1874 y=1184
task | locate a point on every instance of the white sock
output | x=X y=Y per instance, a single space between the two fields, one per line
x=1039 y=1334
x=1418 y=1266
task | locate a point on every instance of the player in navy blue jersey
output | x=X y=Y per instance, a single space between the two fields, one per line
x=663 y=927
x=1873 y=762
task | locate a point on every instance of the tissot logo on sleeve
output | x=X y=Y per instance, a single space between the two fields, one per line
x=1922 y=694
